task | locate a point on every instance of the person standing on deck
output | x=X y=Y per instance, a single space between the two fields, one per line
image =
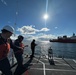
x=5 y=45
x=18 y=53
x=33 y=44
x=7 y=31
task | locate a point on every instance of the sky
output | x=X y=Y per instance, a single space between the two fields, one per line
x=26 y=16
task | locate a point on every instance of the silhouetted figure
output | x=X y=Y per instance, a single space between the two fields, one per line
x=33 y=47
x=50 y=56
x=18 y=53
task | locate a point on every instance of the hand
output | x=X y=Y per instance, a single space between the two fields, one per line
x=21 y=48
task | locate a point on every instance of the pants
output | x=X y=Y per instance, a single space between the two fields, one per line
x=5 y=66
x=33 y=50
x=20 y=66
x=19 y=59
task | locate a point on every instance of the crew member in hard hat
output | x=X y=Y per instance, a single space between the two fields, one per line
x=5 y=45
x=7 y=31
x=18 y=53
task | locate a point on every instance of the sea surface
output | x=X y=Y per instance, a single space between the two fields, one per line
x=66 y=50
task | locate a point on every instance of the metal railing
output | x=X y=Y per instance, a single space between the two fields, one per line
x=41 y=51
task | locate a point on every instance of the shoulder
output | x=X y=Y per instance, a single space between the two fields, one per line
x=1 y=40
x=16 y=40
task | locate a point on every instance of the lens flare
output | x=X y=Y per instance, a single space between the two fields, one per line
x=45 y=16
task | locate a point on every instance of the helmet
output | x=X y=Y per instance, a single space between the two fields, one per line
x=9 y=28
x=20 y=37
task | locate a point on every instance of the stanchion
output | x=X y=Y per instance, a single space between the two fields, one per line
x=50 y=56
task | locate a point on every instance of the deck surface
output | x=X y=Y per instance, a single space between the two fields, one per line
x=41 y=66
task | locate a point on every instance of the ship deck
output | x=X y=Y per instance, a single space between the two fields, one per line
x=41 y=66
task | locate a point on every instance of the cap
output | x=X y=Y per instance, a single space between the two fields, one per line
x=20 y=36
x=9 y=28
x=34 y=40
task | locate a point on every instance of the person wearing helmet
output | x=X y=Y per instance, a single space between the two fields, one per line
x=33 y=44
x=5 y=45
x=18 y=53
x=7 y=32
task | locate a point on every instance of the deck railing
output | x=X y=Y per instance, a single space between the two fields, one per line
x=40 y=51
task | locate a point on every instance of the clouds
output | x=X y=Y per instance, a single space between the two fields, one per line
x=31 y=30
x=39 y=37
x=3 y=1
x=45 y=36
x=45 y=29
x=27 y=30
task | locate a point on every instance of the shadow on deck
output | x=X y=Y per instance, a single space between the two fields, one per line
x=20 y=70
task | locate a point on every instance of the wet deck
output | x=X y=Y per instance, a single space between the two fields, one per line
x=41 y=66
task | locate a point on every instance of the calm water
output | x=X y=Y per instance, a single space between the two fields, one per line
x=66 y=50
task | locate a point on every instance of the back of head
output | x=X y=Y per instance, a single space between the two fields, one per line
x=33 y=40
x=8 y=28
x=20 y=37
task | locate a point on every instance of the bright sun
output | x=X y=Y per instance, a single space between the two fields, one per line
x=45 y=16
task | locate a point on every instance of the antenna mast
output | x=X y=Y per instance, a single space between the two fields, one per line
x=16 y=14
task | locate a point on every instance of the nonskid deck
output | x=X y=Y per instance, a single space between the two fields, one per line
x=41 y=66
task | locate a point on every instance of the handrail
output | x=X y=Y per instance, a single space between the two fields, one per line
x=39 y=51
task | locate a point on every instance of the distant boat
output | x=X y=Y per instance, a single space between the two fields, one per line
x=65 y=39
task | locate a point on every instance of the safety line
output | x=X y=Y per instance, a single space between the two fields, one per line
x=43 y=65
x=74 y=60
x=69 y=64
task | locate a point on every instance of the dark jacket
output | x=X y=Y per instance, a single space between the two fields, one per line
x=33 y=45
x=5 y=46
x=18 y=44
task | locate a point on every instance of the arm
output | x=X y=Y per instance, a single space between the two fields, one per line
x=35 y=44
x=13 y=46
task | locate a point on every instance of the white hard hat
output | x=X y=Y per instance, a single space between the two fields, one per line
x=9 y=28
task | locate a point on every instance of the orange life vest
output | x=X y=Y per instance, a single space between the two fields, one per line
x=22 y=45
x=18 y=44
x=4 y=50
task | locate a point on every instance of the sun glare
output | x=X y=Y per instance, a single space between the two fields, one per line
x=45 y=17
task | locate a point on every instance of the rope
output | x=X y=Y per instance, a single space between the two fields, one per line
x=68 y=64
